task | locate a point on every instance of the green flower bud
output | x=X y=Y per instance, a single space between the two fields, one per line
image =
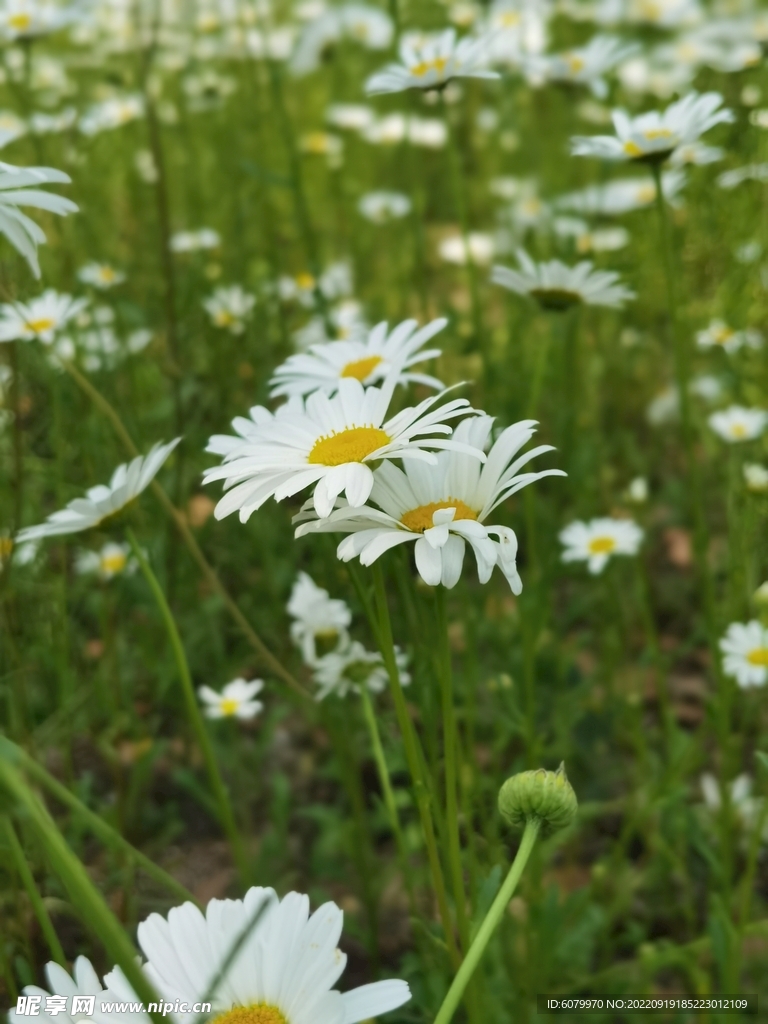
x=546 y=796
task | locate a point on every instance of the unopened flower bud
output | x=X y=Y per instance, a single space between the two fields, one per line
x=539 y=795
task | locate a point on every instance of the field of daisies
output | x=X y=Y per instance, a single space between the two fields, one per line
x=383 y=493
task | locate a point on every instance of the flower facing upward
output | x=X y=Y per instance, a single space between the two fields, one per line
x=558 y=287
x=41 y=318
x=720 y=335
x=283 y=973
x=234 y=701
x=113 y=560
x=368 y=361
x=653 y=137
x=597 y=541
x=745 y=653
x=736 y=423
x=329 y=443
x=99 y=503
x=229 y=308
x=442 y=508
x=317 y=618
x=19 y=187
x=432 y=62
x=100 y=275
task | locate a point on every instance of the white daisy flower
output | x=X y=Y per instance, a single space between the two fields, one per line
x=284 y=972
x=26 y=19
x=354 y=117
x=317 y=618
x=113 y=560
x=622 y=195
x=556 y=286
x=738 y=424
x=111 y=113
x=381 y=207
x=328 y=443
x=441 y=508
x=479 y=247
x=100 y=275
x=598 y=540
x=662 y=13
x=637 y=491
x=719 y=334
x=745 y=653
x=230 y=307
x=234 y=701
x=359 y=22
x=653 y=137
x=750 y=172
x=756 y=477
x=334 y=283
x=352 y=666
x=83 y=982
x=584 y=65
x=430 y=63
x=105 y=500
x=19 y=187
x=40 y=318
x=368 y=361
x=193 y=241
x=696 y=154
x=746 y=806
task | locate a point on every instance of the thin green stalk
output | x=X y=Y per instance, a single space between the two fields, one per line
x=451 y=769
x=18 y=441
x=539 y=373
x=490 y=924
x=110 y=837
x=28 y=881
x=179 y=519
x=389 y=796
x=86 y=899
x=220 y=795
x=420 y=786
x=657 y=659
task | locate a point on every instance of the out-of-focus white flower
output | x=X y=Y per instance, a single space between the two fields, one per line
x=146 y=167
x=100 y=275
x=113 y=560
x=697 y=154
x=558 y=287
x=193 y=241
x=517 y=30
x=49 y=124
x=354 y=117
x=745 y=653
x=103 y=501
x=746 y=807
x=234 y=701
x=756 y=477
x=323 y=144
x=19 y=187
x=662 y=13
x=584 y=65
x=381 y=207
x=719 y=334
x=40 y=318
x=317 y=618
x=654 y=137
x=478 y=247
x=751 y=172
x=622 y=195
x=432 y=62
x=369 y=26
x=637 y=492
x=111 y=113
x=230 y=307
x=588 y=240
x=736 y=423
x=26 y=19
x=351 y=667
x=748 y=252
x=705 y=386
x=334 y=282
x=599 y=540
x=429 y=132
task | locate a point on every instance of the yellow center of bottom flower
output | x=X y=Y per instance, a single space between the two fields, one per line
x=259 y=1013
x=113 y=563
x=420 y=519
x=361 y=368
x=229 y=706
x=352 y=445
x=602 y=546
x=758 y=656
x=436 y=64
x=38 y=326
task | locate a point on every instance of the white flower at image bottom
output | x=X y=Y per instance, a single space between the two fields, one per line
x=317 y=617
x=284 y=972
x=599 y=540
x=234 y=701
x=745 y=653
x=83 y=982
x=441 y=508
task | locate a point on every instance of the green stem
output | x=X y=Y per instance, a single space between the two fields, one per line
x=89 y=902
x=18 y=440
x=226 y=816
x=420 y=786
x=28 y=881
x=109 y=836
x=490 y=924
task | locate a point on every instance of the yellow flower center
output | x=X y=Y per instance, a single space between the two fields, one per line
x=113 y=563
x=738 y=430
x=602 y=546
x=720 y=335
x=259 y=1013
x=646 y=193
x=632 y=149
x=229 y=706
x=420 y=519
x=38 y=326
x=354 y=444
x=657 y=133
x=759 y=656
x=361 y=368
x=576 y=64
x=305 y=281
x=106 y=274
x=359 y=30
x=20 y=22
x=316 y=142
x=6 y=547
x=649 y=9
x=437 y=64
x=509 y=19
x=223 y=318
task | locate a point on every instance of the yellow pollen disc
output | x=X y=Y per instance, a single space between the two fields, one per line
x=436 y=64
x=576 y=64
x=6 y=547
x=38 y=326
x=420 y=519
x=646 y=193
x=20 y=22
x=316 y=142
x=228 y=707
x=759 y=656
x=305 y=281
x=722 y=335
x=107 y=274
x=360 y=31
x=351 y=445
x=738 y=430
x=259 y=1013
x=632 y=149
x=602 y=546
x=223 y=318
x=509 y=19
x=361 y=368
x=657 y=133
x=113 y=563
